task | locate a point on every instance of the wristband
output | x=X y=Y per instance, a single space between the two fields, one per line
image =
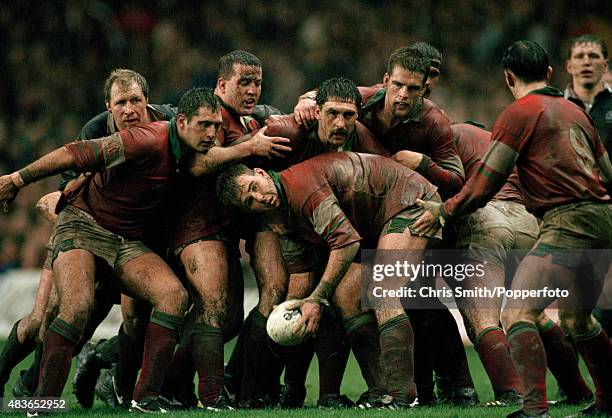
x=17 y=180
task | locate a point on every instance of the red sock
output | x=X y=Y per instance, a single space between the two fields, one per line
x=60 y=340
x=562 y=360
x=597 y=354
x=332 y=352
x=494 y=351
x=162 y=334
x=207 y=352
x=180 y=373
x=397 y=357
x=363 y=335
x=528 y=354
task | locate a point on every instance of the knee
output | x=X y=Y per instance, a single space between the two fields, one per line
x=575 y=323
x=174 y=300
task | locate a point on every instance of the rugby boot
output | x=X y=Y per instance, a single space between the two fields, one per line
x=508 y=398
x=292 y=396
x=335 y=401
x=22 y=388
x=106 y=390
x=592 y=411
x=86 y=374
x=150 y=404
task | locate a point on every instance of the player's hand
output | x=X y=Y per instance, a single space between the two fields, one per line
x=308 y=324
x=429 y=221
x=46 y=206
x=269 y=146
x=305 y=111
x=408 y=159
x=8 y=192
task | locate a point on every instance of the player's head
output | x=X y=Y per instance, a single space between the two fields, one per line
x=407 y=72
x=198 y=118
x=587 y=60
x=250 y=190
x=527 y=61
x=435 y=64
x=126 y=95
x=338 y=103
x=239 y=81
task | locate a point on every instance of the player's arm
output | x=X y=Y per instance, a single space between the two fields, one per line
x=496 y=166
x=256 y=144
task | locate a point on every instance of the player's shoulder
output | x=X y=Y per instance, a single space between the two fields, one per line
x=96 y=127
x=282 y=125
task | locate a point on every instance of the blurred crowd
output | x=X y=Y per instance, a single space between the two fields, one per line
x=55 y=59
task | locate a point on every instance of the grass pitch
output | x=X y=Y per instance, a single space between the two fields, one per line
x=353 y=385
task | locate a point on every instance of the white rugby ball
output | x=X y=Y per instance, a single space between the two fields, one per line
x=280 y=325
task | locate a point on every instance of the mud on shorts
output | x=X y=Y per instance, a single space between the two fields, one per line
x=489 y=233
x=406 y=218
x=76 y=229
x=568 y=231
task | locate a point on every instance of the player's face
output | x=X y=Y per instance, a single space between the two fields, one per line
x=258 y=192
x=128 y=105
x=587 y=64
x=404 y=89
x=200 y=131
x=241 y=92
x=336 y=121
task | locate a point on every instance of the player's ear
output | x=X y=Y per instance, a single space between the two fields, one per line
x=549 y=73
x=386 y=79
x=260 y=172
x=510 y=81
x=108 y=106
x=221 y=83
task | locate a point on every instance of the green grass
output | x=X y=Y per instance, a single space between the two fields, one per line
x=352 y=386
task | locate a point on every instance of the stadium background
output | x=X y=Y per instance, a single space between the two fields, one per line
x=54 y=59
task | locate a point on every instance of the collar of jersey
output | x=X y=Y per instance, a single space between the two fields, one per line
x=275 y=175
x=548 y=91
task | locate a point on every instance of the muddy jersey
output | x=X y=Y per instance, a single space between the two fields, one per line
x=426 y=130
x=132 y=176
x=472 y=143
x=339 y=198
x=557 y=151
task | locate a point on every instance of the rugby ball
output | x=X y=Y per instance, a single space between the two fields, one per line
x=280 y=325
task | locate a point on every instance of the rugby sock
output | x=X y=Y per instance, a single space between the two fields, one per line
x=450 y=360
x=13 y=353
x=530 y=358
x=562 y=360
x=161 y=337
x=423 y=354
x=30 y=377
x=494 y=351
x=332 y=352
x=207 y=351
x=262 y=369
x=130 y=359
x=363 y=335
x=60 y=340
x=178 y=383
x=297 y=360
x=595 y=348
x=397 y=357
x=234 y=367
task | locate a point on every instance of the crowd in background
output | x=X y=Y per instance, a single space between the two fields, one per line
x=55 y=59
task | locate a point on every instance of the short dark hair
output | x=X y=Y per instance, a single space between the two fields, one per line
x=195 y=98
x=125 y=77
x=409 y=59
x=227 y=61
x=428 y=50
x=227 y=188
x=527 y=60
x=341 y=88
x=586 y=39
